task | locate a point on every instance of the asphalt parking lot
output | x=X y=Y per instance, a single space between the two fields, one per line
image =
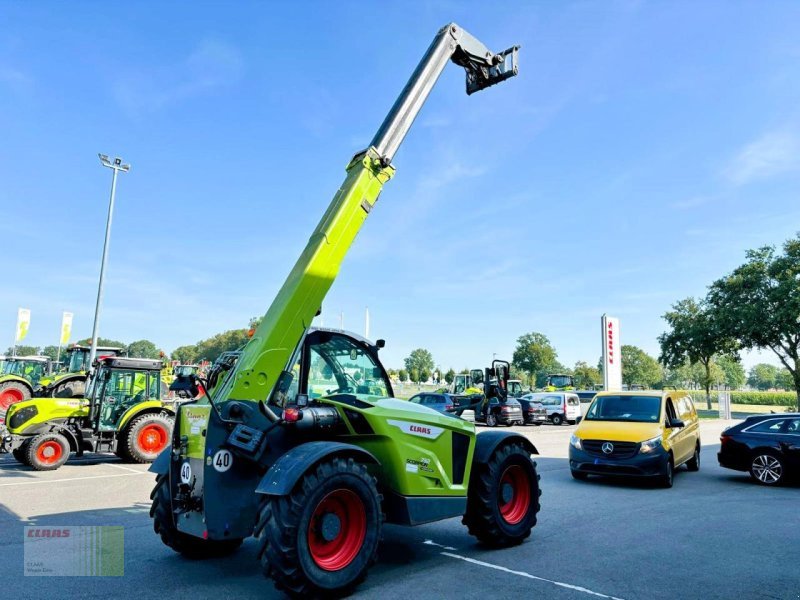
x=713 y=535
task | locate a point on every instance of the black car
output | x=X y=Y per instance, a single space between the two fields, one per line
x=442 y=403
x=533 y=412
x=767 y=446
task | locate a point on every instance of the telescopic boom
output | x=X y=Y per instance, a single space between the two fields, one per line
x=300 y=298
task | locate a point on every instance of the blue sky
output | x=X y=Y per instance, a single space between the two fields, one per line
x=641 y=150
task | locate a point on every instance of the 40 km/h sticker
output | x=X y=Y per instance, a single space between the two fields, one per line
x=186 y=472
x=223 y=460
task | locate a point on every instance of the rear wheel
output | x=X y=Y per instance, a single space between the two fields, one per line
x=145 y=438
x=693 y=464
x=491 y=420
x=503 y=497
x=47 y=451
x=321 y=539
x=12 y=392
x=767 y=468
x=70 y=389
x=557 y=419
x=187 y=545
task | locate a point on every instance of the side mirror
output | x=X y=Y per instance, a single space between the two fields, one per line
x=380 y=343
x=676 y=424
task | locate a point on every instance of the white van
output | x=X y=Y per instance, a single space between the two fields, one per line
x=560 y=406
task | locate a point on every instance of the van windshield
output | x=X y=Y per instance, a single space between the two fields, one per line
x=637 y=409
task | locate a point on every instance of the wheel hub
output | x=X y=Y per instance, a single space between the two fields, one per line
x=506 y=492
x=330 y=527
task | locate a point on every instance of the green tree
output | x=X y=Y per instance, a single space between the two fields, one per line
x=103 y=342
x=696 y=338
x=51 y=352
x=402 y=375
x=211 y=348
x=419 y=364
x=763 y=376
x=186 y=355
x=586 y=376
x=23 y=350
x=143 y=349
x=536 y=356
x=638 y=367
x=759 y=303
x=449 y=376
x=784 y=380
x=731 y=366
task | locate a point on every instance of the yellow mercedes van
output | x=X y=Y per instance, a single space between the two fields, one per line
x=637 y=433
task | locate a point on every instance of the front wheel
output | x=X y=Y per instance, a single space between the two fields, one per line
x=47 y=451
x=21 y=453
x=321 y=539
x=557 y=419
x=666 y=478
x=503 y=497
x=182 y=543
x=491 y=420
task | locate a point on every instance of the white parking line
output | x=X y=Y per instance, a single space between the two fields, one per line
x=73 y=479
x=569 y=586
x=125 y=468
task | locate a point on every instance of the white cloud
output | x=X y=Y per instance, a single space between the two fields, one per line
x=772 y=154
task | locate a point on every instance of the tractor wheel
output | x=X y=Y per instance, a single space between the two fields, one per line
x=70 y=389
x=503 y=498
x=47 y=451
x=145 y=438
x=321 y=539
x=12 y=392
x=182 y=543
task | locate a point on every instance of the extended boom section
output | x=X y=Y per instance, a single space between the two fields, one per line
x=302 y=294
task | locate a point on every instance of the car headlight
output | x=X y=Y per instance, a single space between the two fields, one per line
x=652 y=445
x=575 y=442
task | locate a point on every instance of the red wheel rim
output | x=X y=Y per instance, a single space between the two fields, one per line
x=9 y=397
x=49 y=452
x=152 y=438
x=515 y=494
x=337 y=530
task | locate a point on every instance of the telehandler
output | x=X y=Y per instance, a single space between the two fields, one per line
x=122 y=413
x=287 y=445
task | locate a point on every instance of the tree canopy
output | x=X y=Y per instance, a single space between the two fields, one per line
x=144 y=349
x=535 y=356
x=420 y=365
x=640 y=368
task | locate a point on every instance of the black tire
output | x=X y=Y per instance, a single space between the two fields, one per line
x=144 y=439
x=557 y=419
x=182 y=543
x=491 y=420
x=537 y=423
x=572 y=422
x=21 y=453
x=47 y=451
x=75 y=388
x=767 y=468
x=693 y=464
x=579 y=475
x=289 y=531
x=503 y=497
x=666 y=478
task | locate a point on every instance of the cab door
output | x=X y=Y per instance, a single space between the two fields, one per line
x=674 y=435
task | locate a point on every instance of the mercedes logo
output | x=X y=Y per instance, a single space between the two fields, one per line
x=607 y=447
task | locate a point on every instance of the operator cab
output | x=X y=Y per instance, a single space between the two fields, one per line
x=333 y=363
x=119 y=384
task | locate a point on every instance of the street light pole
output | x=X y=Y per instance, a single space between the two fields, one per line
x=116 y=165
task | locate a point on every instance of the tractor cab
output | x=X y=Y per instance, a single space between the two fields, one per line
x=559 y=382
x=19 y=377
x=119 y=385
x=71 y=381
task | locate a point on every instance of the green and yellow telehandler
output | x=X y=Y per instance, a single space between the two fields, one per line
x=288 y=445
x=122 y=412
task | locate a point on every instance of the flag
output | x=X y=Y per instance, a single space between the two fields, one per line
x=66 y=327
x=23 y=323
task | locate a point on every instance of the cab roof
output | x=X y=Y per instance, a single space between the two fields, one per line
x=28 y=358
x=119 y=362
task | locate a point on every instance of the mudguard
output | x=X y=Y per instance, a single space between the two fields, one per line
x=289 y=468
x=160 y=466
x=487 y=442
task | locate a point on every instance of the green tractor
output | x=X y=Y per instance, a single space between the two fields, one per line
x=287 y=444
x=122 y=413
x=559 y=382
x=20 y=376
x=71 y=382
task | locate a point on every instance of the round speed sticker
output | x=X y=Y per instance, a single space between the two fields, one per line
x=223 y=460
x=186 y=472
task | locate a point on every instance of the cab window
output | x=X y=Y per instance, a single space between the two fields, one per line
x=338 y=365
x=669 y=410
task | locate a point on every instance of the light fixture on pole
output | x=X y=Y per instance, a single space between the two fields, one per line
x=116 y=165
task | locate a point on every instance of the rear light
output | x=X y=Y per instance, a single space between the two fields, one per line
x=291 y=415
x=724 y=438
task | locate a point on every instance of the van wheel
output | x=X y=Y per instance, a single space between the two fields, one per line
x=557 y=419
x=668 y=475
x=572 y=422
x=693 y=464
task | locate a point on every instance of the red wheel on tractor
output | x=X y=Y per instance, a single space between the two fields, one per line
x=47 y=451
x=321 y=539
x=12 y=392
x=144 y=439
